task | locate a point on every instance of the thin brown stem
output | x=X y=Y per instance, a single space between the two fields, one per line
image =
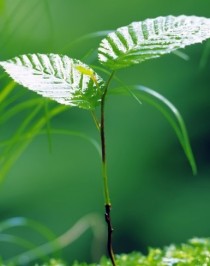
x=110 y=230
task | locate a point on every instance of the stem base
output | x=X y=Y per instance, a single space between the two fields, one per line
x=109 y=233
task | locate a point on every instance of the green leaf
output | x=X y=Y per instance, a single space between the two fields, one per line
x=58 y=77
x=169 y=111
x=151 y=38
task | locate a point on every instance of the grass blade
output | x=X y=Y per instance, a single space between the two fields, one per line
x=32 y=132
x=77 y=134
x=42 y=230
x=90 y=221
x=19 y=107
x=181 y=54
x=169 y=111
x=89 y=36
x=23 y=20
x=50 y=20
x=17 y=241
x=17 y=135
x=6 y=91
x=48 y=126
x=25 y=222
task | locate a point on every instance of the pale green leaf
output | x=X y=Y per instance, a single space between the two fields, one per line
x=151 y=38
x=168 y=110
x=58 y=77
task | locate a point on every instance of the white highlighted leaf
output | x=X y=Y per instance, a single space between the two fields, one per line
x=151 y=38
x=57 y=77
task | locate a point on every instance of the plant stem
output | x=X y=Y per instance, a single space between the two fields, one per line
x=104 y=174
x=109 y=233
x=103 y=142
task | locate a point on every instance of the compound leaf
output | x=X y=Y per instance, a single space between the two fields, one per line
x=57 y=77
x=151 y=38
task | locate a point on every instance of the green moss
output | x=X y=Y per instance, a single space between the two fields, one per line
x=196 y=252
x=53 y=262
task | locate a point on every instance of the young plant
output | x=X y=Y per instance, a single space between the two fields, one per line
x=71 y=82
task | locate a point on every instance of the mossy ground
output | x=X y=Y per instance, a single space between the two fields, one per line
x=196 y=252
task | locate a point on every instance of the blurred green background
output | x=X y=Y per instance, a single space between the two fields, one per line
x=156 y=199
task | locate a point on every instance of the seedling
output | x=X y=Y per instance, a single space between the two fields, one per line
x=71 y=82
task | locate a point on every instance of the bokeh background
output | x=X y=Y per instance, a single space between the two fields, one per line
x=156 y=199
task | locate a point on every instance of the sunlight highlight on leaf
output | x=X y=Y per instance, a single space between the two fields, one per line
x=56 y=77
x=151 y=38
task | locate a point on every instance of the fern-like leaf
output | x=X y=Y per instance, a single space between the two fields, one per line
x=58 y=77
x=151 y=38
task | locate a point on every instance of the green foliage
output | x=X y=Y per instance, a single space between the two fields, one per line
x=32 y=251
x=52 y=262
x=195 y=252
x=31 y=126
x=70 y=82
x=151 y=38
x=60 y=78
x=168 y=110
x=7 y=235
